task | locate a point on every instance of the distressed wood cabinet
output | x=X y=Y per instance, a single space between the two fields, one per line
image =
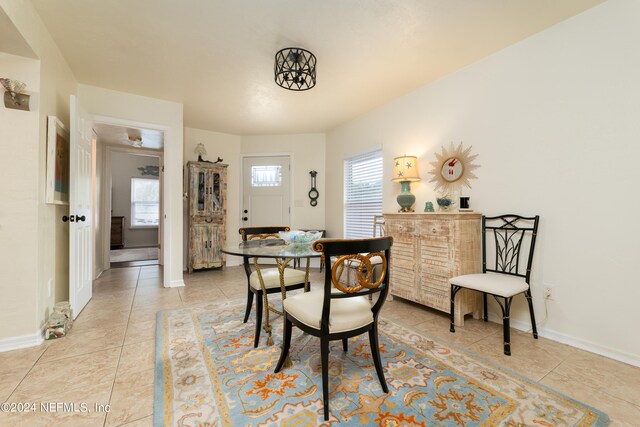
x=428 y=249
x=207 y=194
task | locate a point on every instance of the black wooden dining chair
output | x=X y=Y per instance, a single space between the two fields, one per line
x=338 y=312
x=293 y=279
x=513 y=237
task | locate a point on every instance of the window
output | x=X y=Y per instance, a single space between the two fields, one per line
x=362 y=193
x=145 y=202
x=266 y=176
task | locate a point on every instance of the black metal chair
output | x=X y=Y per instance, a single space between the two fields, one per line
x=293 y=279
x=505 y=279
x=343 y=312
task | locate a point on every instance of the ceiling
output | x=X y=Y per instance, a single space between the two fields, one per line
x=129 y=137
x=216 y=56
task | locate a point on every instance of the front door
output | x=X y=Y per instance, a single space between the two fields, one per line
x=266 y=191
x=80 y=209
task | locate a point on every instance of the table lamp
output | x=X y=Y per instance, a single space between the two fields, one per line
x=405 y=171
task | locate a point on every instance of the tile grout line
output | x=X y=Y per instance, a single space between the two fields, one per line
x=113 y=385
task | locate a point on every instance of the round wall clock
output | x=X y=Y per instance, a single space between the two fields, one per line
x=453 y=168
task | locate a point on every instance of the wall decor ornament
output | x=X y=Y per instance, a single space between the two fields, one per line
x=57 y=191
x=453 y=168
x=313 y=193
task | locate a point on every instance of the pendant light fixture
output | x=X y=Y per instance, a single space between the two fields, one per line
x=295 y=69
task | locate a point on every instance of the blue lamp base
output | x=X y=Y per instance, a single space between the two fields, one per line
x=405 y=199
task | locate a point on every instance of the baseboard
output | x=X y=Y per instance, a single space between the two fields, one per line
x=611 y=353
x=175 y=284
x=23 y=341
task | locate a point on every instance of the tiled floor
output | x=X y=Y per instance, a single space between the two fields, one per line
x=108 y=357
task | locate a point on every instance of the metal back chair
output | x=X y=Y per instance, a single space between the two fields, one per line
x=268 y=281
x=338 y=312
x=511 y=239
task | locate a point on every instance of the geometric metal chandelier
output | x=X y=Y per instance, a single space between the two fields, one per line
x=295 y=69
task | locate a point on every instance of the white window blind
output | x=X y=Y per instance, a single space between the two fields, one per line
x=145 y=202
x=362 y=194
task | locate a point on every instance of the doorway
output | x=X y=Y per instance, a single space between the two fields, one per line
x=131 y=196
x=135 y=209
x=266 y=191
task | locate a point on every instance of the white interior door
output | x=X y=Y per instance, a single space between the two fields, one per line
x=266 y=191
x=80 y=209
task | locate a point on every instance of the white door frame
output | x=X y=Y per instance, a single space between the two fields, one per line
x=165 y=226
x=291 y=173
x=107 y=202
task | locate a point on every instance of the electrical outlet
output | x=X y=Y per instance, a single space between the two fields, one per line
x=548 y=293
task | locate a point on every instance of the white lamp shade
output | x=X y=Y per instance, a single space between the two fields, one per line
x=405 y=168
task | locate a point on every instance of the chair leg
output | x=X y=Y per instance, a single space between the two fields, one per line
x=454 y=291
x=375 y=353
x=527 y=294
x=286 y=343
x=485 y=312
x=324 y=353
x=247 y=312
x=506 y=326
x=256 y=339
x=345 y=345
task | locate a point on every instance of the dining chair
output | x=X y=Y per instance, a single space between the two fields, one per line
x=512 y=239
x=293 y=279
x=337 y=312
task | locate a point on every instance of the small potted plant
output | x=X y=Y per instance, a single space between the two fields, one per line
x=445 y=203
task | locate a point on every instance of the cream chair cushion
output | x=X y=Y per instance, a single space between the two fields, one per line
x=271 y=277
x=502 y=285
x=346 y=314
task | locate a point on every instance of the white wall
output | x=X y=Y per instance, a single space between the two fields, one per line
x=554 y=120
x=124 y=166
x=19 y=207
x=48 y=257
x=124 y=108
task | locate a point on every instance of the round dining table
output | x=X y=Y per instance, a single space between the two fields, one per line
x=283 y=254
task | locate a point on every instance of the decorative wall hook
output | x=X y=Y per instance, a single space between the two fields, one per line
x=313 y=193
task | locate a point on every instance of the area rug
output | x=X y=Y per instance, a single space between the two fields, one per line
x=133 y=254
x=208 y=374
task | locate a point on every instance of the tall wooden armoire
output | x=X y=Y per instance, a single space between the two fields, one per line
x=207 y=193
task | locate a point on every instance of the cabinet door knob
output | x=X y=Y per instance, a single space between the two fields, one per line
x=433 y=230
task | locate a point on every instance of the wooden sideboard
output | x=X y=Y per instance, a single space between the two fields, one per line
x=428 y=249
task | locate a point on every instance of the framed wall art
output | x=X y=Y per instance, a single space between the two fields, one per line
x=57 y=162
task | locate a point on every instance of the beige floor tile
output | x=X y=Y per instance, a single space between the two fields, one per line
x=143 y=422
x=78 y=342
x=620 y=380
x=53 y=378
x=621 y=413
x=9 y=382
x=87 y=402
x=137 y=357
x=132 y=398
x=11 y=361
x=141 y=331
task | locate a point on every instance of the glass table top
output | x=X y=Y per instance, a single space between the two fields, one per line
x=275 y=248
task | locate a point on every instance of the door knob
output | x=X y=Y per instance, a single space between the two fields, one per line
x=65 y=218
x=244 y=218
x=80 y=218
x=246 y=211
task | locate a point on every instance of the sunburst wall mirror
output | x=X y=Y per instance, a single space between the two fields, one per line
x=453 y=169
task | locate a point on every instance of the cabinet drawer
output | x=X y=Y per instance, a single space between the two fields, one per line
x=399 y=227
x=435 y=228
x=203 y=220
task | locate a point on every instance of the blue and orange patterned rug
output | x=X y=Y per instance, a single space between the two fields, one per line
x=209 y=374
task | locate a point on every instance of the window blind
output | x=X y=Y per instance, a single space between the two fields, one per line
x=362 y=193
